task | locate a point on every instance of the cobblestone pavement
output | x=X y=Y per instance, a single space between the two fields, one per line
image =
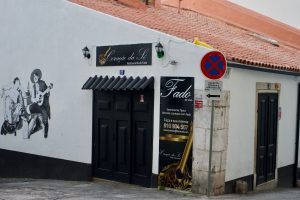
x=31 y=189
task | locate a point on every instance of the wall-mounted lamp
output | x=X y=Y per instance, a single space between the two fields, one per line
x=86 y=52
x=159 y=50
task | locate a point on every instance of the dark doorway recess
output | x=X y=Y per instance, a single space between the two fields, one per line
x=122 y=136
x=266 y=137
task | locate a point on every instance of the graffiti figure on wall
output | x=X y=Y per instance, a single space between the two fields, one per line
x=39 y=109
x=13 y=107
x=28 y=111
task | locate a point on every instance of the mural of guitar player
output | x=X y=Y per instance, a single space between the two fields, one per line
x=39 y=109
x=27 y=111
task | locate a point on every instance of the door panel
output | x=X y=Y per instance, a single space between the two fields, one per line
x=261 y=139
x=142 y=137
x=103 y=142
x=122 y=119
x=122 y=144
x=139 y=148
x=272 y=135
x=103 y=138
x=266 y=137
x=123 y=136
x=140 y=145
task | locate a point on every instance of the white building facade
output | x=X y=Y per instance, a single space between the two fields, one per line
x=50 y=35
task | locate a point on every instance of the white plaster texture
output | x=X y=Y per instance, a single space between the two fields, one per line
x=242 y=120
x=49 y=35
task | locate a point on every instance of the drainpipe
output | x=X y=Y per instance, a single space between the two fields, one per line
x=297 y=140
x=179 y=6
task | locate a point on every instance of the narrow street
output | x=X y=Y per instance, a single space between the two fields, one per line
x=25 y=189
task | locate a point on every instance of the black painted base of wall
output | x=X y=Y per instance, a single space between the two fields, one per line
x=286 y=176
x=230 y=185
x=154 y=181
x=285 y=179
x=22 y=165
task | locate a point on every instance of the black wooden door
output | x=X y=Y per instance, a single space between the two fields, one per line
x=266 y=137
x=111 y=154
x=123 y=136
x=142 y=137
x=103 y=141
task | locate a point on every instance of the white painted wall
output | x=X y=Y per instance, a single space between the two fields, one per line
x=284 y=11
x=50 y=34
x=241 y=141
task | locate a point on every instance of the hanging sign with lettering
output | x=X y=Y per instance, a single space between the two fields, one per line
x=176 y=128
x=133 y=54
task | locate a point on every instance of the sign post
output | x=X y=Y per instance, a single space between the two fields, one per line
x=213 y=66
x=210 y=148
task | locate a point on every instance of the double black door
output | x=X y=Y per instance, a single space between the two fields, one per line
x=266 y=137
x=122 y=136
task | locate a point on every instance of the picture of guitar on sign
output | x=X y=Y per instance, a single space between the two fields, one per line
x=33 y=107
x=102 y=58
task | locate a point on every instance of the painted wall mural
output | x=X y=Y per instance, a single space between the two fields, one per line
x=26 y=111
x=176 y=132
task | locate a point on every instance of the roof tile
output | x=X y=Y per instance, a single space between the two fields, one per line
x=239 y=45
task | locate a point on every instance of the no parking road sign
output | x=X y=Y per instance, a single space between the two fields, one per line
x=213 y=65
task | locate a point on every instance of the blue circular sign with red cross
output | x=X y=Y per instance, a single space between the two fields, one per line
x=213 y=65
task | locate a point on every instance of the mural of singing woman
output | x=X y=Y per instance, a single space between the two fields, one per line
x=39 y=107
x=14 y=112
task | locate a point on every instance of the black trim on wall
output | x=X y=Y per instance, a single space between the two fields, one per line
x=230 y=185
x=286 y=176
x=23 y=165
x=154 y=181
x=261 y=69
